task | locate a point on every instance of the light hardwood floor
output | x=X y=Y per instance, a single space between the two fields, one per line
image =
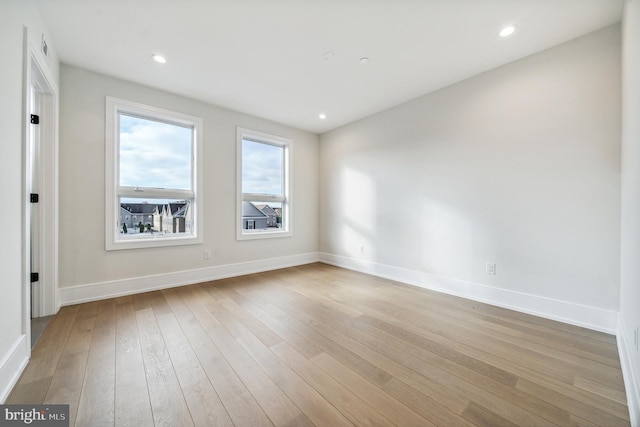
x=319 y=345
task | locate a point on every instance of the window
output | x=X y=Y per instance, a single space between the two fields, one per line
x=153 y=176
x=264 y=193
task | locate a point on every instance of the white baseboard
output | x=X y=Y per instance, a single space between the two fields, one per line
x=98 y=291
x=576 y=314
x=12 y=365
x=631 y=377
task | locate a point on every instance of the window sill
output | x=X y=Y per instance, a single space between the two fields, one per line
x=256 y=235
x=152 y=242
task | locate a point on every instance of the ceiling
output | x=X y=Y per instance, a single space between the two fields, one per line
x=290 y=60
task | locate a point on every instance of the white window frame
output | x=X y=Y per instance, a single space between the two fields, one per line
x=285 y=199
x=113 y=191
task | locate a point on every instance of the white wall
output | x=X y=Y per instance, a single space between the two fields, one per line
x=15 y=16
x=630 y=244
x=519 y=166
x=83 y=259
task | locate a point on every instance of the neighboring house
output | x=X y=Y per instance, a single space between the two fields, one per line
x=125 y=218
x=278 y=216
x=157 y=218
x=132 y=214
x=180 y=222
x=271 y=213
x=168 y=218
x=252 y=217
x=188 y=219
x=173 y=218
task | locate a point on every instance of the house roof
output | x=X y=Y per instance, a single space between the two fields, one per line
x=182 y=211
x=249 y=210
x=266 y=209
x=152 y=208
x=176 y=207
x=139 y=208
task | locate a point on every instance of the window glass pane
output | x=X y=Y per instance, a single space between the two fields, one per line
x=260 y=217
x=152 y=180
x=262 y=168
x=155 y=154
x=264 y=203
x=154 y=217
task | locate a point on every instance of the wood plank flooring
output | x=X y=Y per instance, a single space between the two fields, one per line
x=319 y=345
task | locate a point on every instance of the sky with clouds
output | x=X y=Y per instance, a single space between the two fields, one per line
x=262 y=168
x=154 y=154
x=158 y=155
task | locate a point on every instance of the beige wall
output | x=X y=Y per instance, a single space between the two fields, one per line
x=83 y=259
x=15 y=15
x=519 y=166
x=630 y=255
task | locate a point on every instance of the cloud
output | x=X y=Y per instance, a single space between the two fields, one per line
x=154 y=154
x=262 y=168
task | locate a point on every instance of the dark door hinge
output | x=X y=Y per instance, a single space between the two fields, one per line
x=34 y=198
x=35 y=119
x=35 y=277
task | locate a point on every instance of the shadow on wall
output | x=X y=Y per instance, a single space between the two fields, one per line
x=383 y=221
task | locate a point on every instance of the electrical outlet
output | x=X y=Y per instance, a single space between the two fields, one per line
x=491 y=268
x=207 y=254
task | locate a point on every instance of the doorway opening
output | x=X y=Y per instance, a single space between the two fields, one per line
x=40 y=222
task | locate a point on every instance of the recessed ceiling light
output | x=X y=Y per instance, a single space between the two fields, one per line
x=364 y=60
x=159 y=58
x=507 y=31
x=322 y=116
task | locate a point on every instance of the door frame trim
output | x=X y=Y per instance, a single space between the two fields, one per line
x=36 y=73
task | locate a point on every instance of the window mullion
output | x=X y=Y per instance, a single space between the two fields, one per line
x=266 y=198
x=154 y=193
